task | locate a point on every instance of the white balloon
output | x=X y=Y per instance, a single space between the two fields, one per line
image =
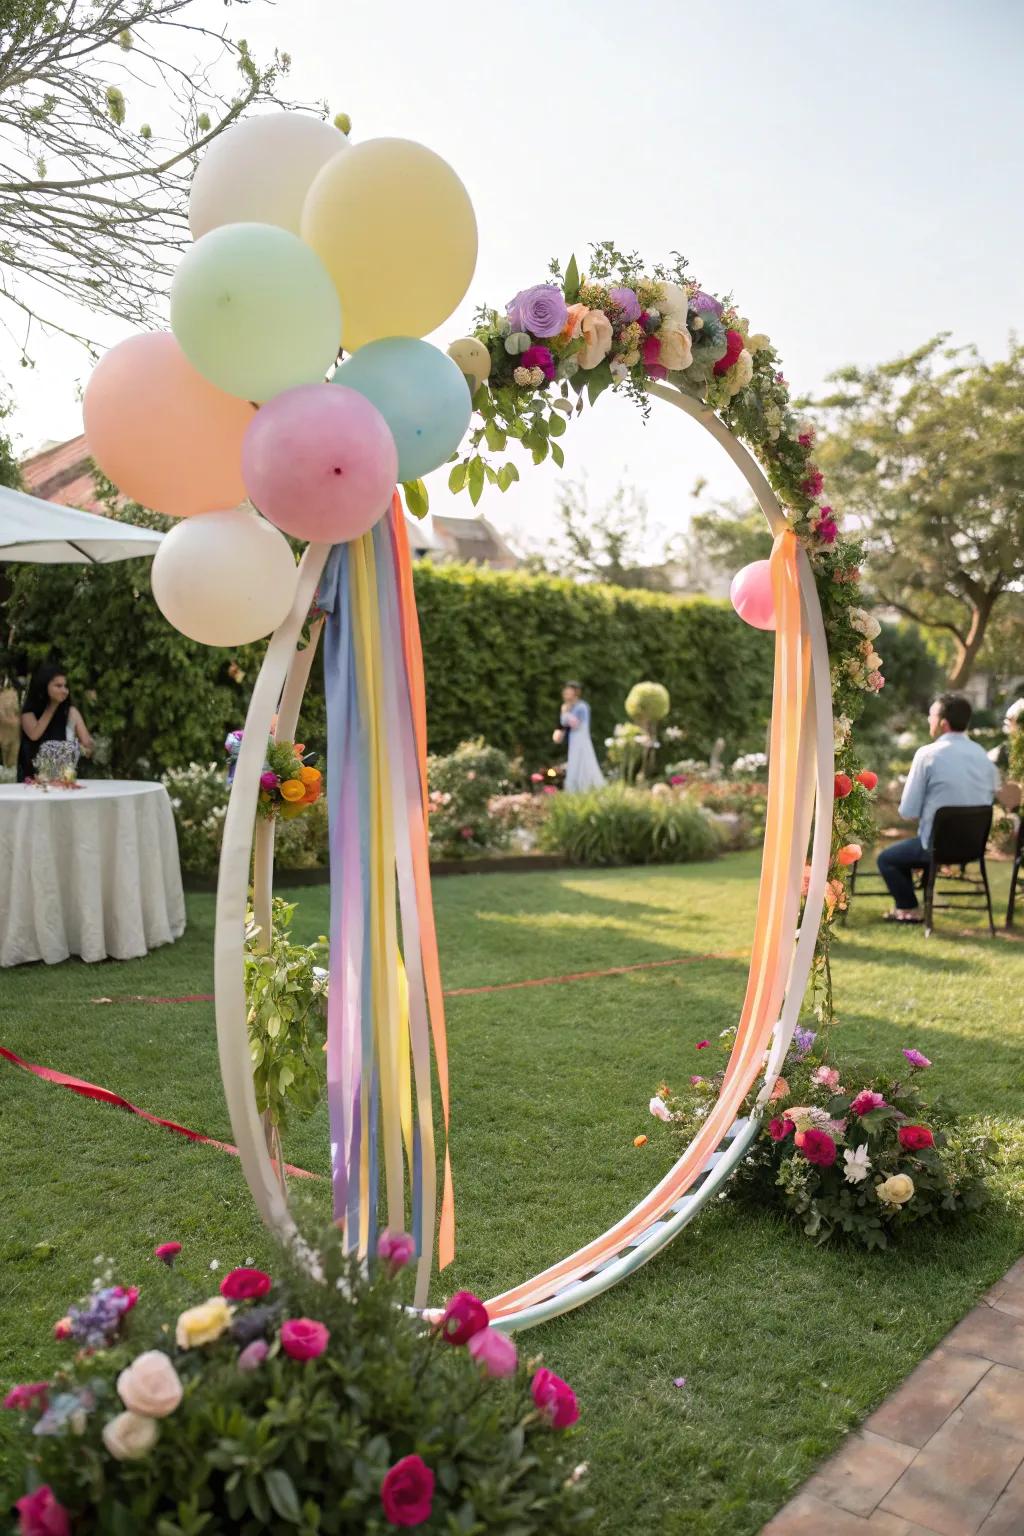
x=259 y=170
x=224 y=578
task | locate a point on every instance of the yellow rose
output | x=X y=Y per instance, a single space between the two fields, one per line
x=202 y=1324
x=596 y=330
x=895 y=1191
x=292 y=789
x=676 y=348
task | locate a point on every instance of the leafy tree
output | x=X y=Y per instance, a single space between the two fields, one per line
x=92 y=197
x=927 y=452
x=723 y=538
x=610 y=545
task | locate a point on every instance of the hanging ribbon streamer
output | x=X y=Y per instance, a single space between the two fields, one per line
x=385 y=1004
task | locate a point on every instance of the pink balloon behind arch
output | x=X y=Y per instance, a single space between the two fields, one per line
x=320 y=462
x=751 y=595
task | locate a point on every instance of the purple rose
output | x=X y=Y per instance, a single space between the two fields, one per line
x=704 y=304
x=540 y=310
x=539 y=357
x=626 y=302
x=269 y=780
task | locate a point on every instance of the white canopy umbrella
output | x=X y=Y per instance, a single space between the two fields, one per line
x=43 y=532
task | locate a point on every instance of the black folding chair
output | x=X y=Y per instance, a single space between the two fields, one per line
x=1016 y=873
x=960 y=835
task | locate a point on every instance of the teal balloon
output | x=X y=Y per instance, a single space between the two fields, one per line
x=421 y=394
x=254 y=311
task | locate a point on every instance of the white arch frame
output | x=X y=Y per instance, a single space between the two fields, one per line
x=279 y=689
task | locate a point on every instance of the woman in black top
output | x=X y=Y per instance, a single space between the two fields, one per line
x=48 y=715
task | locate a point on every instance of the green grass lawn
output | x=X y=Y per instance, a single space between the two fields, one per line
x=784 y=1346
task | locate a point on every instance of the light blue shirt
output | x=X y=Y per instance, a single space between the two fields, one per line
x=952 y=770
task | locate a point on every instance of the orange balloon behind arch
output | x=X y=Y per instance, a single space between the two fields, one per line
x=166 y=438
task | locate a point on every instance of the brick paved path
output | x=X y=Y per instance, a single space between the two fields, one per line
x=944 y=1455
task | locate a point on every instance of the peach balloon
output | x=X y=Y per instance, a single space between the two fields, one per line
x=166 y=438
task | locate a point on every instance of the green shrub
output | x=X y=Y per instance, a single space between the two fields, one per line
x=287 y=1017
x=628 y=826
x=288 y=1438
x=461 y=787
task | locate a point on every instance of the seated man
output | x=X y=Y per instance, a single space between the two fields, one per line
x=951 y=770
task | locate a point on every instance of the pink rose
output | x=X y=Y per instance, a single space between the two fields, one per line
x=464 y=1315
x=253 y=1355
x=129 y=1294
x=865 y=1102
x=555 y=1399
x=40 y=1514
x=494 y=1351
x=695 y=1082
x=596 y=330
x=30 y=1394
x=407 y=1492
x=395 y=1249
x=778 y=1130
x=303 y=1339
x=150 y=1385
x=826 y=1077
x=245 y=1284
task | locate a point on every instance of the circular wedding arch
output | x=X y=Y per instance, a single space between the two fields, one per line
x=800 y=795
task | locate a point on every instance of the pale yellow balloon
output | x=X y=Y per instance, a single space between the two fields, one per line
x=472 y=358
x=395 y=228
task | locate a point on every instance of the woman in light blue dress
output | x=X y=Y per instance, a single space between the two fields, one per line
x=584 y=770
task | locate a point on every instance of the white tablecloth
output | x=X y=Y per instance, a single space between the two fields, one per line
x=91 y=871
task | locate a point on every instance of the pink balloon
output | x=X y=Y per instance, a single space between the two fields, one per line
x=751 y=594
x=320 y=462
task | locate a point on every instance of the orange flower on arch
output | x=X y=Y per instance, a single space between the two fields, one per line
x=291 y=790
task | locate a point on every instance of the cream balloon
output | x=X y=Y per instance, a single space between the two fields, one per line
x=472 y=358
x=395 y=228
x=259 y=171
x=224 y=578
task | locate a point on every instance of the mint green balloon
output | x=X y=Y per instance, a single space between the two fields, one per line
x=254 y=311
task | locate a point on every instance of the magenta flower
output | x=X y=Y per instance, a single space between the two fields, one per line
x=395 y=1249
x=814 y=481
x=494 y=1351
x=29 y=1394
x=464 y=1315
x=916 y=1059
x=303 y=1339
x=555 y=1399
x=42 y=1514
x=827 y=530
x=702 y=1045
x=167 y=1253
x=541 y=310
x=539 y=357
x=806 y=439
x=695 y=1082
x=866 y=1101
x=626 y=302
x=269 y=780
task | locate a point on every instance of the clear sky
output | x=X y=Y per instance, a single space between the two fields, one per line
x=851 y=171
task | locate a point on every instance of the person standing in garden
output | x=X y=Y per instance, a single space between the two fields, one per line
x=584 y=770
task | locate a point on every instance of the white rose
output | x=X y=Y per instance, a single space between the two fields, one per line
x=130 y=1436
x=676 y=348
x=150 y=1385
x=673 y=303
x=741 y=373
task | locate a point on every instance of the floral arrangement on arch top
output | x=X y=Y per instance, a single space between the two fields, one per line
x=619 y=326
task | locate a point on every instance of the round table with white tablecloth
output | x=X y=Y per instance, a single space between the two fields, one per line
x=91 y=871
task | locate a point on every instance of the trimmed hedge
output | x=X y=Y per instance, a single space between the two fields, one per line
x=497 y=649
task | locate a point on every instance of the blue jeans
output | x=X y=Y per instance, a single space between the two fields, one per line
x=896 y=865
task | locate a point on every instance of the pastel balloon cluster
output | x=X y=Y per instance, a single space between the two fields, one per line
x=303 y=245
